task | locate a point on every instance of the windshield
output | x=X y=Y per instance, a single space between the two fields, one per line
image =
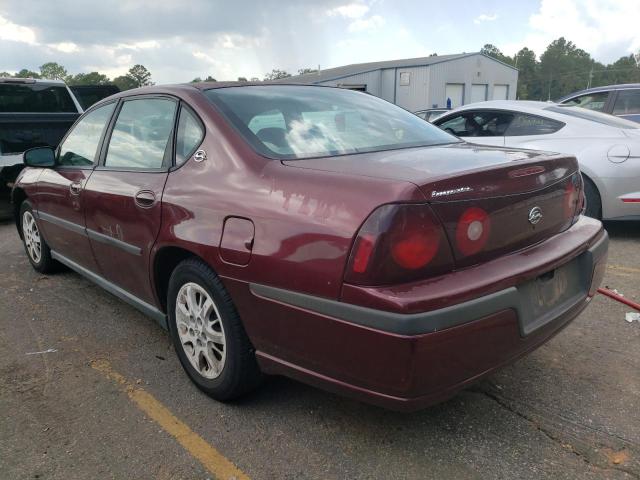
x=35 y=98
x=288 y=121
x=594 y=116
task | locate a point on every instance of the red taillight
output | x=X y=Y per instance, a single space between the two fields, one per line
x=398 y=244
x=415 y=249
x=571 y=197
x=472 y=231
x=363 y=250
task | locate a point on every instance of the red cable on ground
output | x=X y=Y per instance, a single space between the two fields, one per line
x=619 y=298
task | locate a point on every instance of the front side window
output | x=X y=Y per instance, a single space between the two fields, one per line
x=289 y=122
x=141 y=134
x=478 y=124
x=591 y=101
x=190 y=135
x=627 y=102
x=80 y=148
x=524 y=124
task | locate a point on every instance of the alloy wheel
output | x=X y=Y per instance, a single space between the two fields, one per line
x=31 y=236
x=200 y=330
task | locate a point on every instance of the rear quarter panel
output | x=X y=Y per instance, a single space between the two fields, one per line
x=304 y=220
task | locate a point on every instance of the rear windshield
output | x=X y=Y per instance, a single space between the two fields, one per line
x=594 y=116
x=88 y=95
x=35 y=98
x=289 y=122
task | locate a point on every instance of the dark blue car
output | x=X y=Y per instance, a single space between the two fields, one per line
x=619 y=100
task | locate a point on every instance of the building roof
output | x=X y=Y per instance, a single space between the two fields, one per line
x=358 y=68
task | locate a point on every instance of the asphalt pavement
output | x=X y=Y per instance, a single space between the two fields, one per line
x=90 y=388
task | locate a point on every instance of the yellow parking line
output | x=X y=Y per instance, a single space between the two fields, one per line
x=210 y=458
x=620 y=268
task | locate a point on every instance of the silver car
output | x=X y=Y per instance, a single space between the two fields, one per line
x=607 y=147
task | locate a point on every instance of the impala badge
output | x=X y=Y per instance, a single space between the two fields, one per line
x=535 y=215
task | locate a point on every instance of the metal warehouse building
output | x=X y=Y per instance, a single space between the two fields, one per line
x=419 y=83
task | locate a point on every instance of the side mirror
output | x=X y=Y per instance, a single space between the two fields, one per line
x=41 y=157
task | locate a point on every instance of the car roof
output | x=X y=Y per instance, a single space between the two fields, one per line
x=30 y=81
x=604 y=88
x=518 y=105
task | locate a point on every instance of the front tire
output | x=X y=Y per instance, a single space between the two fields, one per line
x=38 y=252
x=207 y=333
x=592 y=196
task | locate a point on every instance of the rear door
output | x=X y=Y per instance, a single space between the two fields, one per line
x=627 y=104
x=60 y=201
x=123 y=196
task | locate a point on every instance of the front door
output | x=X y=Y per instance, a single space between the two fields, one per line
x=60 y=201
x=123 y=195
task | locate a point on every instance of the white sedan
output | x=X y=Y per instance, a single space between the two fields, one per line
x=607 y=147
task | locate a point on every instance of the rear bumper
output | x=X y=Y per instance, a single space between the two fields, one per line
x=406 y=361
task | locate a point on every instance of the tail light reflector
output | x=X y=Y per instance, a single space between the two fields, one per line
x=399 y=244
x=472 y=231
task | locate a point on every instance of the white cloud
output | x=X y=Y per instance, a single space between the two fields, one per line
x=16 y=33
x=65 y=47
x=373 y=22
x=606 y=29
x=351 y=10
x=485 y=18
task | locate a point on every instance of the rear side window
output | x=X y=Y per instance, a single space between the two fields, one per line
x=627 y=102
x=190 y=135
x=81 y=145
x=478 y=124
x=591 y=101
x=141 y=134
x=532 y=125
x=36 y=98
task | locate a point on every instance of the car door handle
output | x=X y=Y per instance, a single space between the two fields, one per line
x=145 y=198
x=75 y=188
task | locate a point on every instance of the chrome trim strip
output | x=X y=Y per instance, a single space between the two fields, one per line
x=112 y=288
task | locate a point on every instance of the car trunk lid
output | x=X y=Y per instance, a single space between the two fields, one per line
x=525 y=195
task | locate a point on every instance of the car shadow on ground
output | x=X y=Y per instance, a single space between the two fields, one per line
x=623 y=230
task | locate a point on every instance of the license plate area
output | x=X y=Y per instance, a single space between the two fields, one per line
x=552 y=294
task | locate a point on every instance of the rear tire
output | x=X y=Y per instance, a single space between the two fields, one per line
x=38 y=252
x=592 y=196
x=207 y=333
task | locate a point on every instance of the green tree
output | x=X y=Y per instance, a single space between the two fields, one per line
x=140 y=76
x=210 y=79
x=304 y=71
x=527 y=65
x=242 y=79
x=196 y=80
x=275 y=74
x=53 y=71
x=255 y=79
x=5 y=74
x=124 y=82
x=92 y=78
x=493 y=51
x=24 y=73
x=564 y=68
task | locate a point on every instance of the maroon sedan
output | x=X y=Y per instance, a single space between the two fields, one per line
x=314 y=232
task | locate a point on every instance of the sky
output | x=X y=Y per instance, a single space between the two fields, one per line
x=178 y=40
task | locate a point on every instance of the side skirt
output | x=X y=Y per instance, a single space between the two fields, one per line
x=113 y=289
